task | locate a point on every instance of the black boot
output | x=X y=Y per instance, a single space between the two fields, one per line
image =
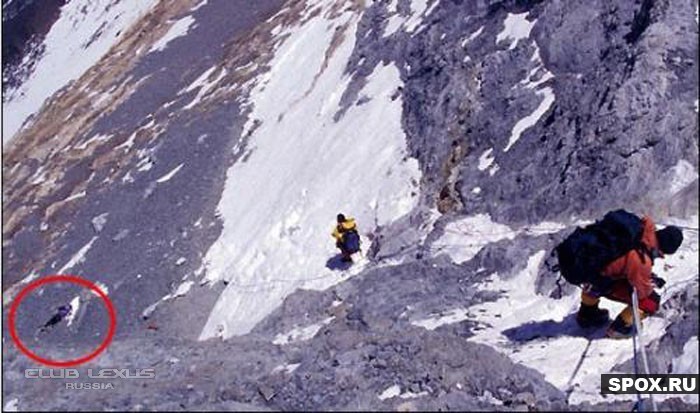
x=592 y=316
x=619 y=330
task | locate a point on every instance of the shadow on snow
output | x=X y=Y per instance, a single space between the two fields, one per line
x=336 y=263
x=547 y=329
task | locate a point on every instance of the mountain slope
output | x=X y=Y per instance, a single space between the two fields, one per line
x=195 y=171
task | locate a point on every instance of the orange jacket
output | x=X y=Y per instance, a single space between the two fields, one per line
x=635 y=266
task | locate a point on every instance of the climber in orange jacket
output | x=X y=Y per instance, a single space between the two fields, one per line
x=633 y=269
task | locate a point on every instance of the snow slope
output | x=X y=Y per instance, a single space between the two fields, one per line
x=277 y=223
x=541 y=333
x=83 y=33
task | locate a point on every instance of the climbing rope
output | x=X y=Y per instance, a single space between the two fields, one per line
x=570 y=384
x=268 y=284
x=680 y=226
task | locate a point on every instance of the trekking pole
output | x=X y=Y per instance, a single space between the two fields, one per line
x=638 y=334
x=639 y=403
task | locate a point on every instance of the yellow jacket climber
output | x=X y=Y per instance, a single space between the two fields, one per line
x=348 y=245
x=344 y=225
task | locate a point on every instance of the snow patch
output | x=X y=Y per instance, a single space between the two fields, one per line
x=395 y=19
x=200 y=5
x=390 y=392
x=75 y=196
x=463 y=239
x=488 y=397
x=472 y=36
x=544 y=73
x=78 y=258
x=301 y=333
x=486 y=159
x=286 y=368
x=12 y=405
x=419 y=10
x=127 y=178
x=204 y=85
x=450 y=317
x=128 y=143
x=39 y=175
x=516 y=27
x=144 y=165
x=412 y=395
x=75 y=305
x=146 y=313
x=99 y=222
x=545 y=227
x=183 y=289
x=96 y=138
x=97 y=103
x=180 y=28
x=531 y=119
x=169 y=175
x=102 y=287
x=10 y=293
x=682 y=175
x=687 y=363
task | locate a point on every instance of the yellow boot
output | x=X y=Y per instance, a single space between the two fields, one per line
x=623 y=326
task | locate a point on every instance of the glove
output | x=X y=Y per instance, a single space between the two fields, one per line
x=658 y=281
x=650 y=304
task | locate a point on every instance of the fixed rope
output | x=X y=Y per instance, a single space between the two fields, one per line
x=680 y=226
x=570 y=384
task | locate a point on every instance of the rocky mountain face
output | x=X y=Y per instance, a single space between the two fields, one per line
x=190 y=157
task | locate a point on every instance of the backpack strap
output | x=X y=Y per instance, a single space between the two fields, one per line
x=645 y=252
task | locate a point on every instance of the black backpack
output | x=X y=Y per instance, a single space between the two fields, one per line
x=351 y=241
x=587 y=251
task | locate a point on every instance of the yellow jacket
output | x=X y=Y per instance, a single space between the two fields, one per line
x=343 y=227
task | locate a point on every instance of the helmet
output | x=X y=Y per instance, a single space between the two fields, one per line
x=341 y=218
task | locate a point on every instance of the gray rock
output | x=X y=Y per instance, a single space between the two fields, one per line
x=525 y=398
x=266 y=391
x=120 y=235
x=99 y=222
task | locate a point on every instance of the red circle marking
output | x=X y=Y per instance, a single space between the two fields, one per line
x=56 y=279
